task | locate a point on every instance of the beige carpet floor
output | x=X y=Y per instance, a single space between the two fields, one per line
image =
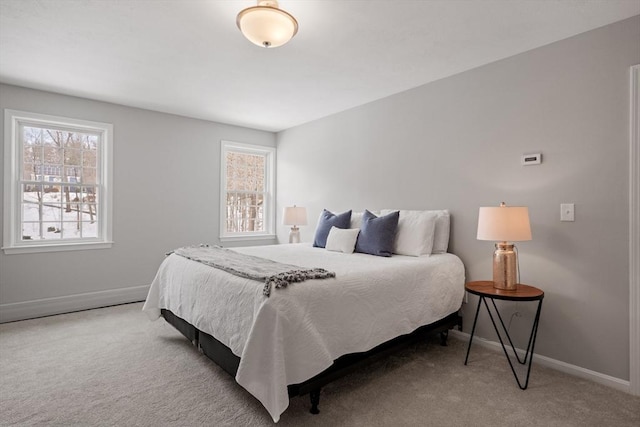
x=113 y=367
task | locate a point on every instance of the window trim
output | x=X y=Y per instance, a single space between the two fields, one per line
x=12 y=206
x=270 y=166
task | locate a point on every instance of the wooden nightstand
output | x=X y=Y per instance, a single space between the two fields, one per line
x=485 y=290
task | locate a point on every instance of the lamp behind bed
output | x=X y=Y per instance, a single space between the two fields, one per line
x=294 y=215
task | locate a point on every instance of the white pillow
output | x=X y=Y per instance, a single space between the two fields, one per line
x=342 y=240
x=414 y=236
x=441 y=234
x=356 y=218
x=441 y=237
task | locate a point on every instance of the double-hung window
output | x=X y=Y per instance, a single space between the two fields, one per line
x=57 y=183
x=247 y=191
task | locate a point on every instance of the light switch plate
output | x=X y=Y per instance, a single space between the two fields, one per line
x=567 y=212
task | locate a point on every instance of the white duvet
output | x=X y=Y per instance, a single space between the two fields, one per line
x=298 y=331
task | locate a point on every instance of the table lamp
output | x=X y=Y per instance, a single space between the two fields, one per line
x=294 y=215
x=504 y=224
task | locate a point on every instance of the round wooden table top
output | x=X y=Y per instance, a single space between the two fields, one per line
x=521 y=293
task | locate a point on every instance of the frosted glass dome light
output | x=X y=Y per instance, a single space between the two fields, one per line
x=267 y=25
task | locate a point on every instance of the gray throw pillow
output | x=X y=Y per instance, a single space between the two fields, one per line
x=328 y=220
x=377 y=234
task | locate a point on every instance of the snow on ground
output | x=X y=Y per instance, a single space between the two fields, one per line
x=56 y=222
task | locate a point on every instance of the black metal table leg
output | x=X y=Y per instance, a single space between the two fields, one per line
x=530 y=347
x=473 y=329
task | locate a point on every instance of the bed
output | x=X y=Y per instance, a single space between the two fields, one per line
x=305 y=335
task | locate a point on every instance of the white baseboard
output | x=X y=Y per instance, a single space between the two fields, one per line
x=48 y=306
x=558 y=365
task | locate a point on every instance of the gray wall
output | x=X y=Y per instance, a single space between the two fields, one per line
x=166 y=194
x=456 y=143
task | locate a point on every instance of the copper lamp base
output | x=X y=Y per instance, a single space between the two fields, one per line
x=505 y=264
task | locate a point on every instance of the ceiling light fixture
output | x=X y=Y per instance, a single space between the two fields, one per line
x=267 y=25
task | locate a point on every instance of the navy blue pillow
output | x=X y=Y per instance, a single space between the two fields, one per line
x=328 y=220
x=377 y=234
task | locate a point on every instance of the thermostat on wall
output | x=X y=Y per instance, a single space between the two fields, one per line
x=531 y=159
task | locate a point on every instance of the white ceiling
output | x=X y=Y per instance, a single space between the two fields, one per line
x=187 y=57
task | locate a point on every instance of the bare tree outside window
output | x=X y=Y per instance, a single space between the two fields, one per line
x=246 y=193
x=59 y=184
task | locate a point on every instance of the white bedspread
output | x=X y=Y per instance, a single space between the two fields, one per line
x=298 y=331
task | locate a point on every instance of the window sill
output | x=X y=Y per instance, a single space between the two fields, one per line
x=58 y=247
x=246 y=238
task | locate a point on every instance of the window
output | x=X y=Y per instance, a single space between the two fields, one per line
x=57 y=183
x=247 y=191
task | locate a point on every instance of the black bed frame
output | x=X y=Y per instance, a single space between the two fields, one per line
x=223 y=357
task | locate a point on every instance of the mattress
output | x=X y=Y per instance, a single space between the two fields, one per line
x=300 y=330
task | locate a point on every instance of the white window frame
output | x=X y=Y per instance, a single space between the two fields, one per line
x=270 y=165
x=13 y=152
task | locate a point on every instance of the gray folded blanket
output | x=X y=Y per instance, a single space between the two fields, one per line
x=271 y=273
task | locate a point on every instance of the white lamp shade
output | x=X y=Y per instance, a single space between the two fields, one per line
x=294 y=215
x=504 y=224
x=266 y=25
